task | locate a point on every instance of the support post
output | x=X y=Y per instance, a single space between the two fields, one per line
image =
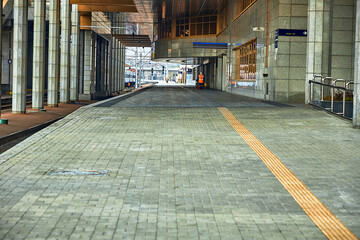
x=136 y=68
x=1 y=3
x=74 y=61
x=318 y=56
x=87 y=65
x=118 y=65
x=110 y=66
x=54 y=53
x=39 y=55
x=116 y=73
x=356 y=107
x=122 y=80
x=20 y=56
x=113 y=63
x=103 y=69
x=65 y=52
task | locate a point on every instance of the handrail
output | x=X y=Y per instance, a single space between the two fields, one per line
x=333 y=93
x=333 y=86
x=348 y=84
x=329 y=85
x=322 y=87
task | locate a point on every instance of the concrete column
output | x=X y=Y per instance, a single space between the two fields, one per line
x=74 y=60
x=103 y=69
x=318 y=56
x=356 y=107
x=20 y=56
x=116 y=58
x=54 y=53
x=124 y=71
x=118 y=65
x=93 y=64
x=109 y=66
x=113 y=75
x=65 y=52
x=81 y=62
x=87 y=65
x=1 y=3
x=219 y=72
x=106 y=61
x=122 y=81
x=39 y=55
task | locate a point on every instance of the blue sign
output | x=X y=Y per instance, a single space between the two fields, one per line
x=292 y=32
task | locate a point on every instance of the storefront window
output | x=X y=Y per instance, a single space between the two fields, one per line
x=246 y=61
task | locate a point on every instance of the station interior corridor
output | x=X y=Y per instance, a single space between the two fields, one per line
x=180 y=163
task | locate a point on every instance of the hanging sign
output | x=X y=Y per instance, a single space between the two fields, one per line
x=292 y=32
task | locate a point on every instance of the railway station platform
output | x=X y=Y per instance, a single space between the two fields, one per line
x=180 y=163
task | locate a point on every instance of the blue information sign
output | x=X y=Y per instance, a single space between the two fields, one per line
x=292 y=32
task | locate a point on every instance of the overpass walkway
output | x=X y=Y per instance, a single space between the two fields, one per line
x=177 y=163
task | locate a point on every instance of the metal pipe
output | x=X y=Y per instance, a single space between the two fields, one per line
x=322 y=86
x=332 y=95
x=348 y=84
x=344 y=103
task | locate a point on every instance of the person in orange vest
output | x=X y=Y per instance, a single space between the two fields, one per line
x=201 y=80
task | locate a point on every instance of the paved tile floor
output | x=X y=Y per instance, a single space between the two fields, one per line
x=178 y=170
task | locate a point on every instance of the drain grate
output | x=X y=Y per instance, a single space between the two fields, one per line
x=78 y=172
x=106 y=118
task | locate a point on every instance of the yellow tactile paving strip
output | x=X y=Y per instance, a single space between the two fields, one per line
x=324 y=219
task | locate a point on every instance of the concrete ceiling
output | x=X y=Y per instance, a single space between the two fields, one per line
x=142 y=22
x=133 y=40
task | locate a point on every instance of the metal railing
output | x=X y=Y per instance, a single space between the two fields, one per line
x=345 y=88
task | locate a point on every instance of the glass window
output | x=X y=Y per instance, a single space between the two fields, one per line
x=193 y=29
x=206 y=28
x=242 y=5
x=199 y=29
x=213 y=28
x=245 y=62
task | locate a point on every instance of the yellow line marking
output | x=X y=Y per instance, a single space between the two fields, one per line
x=324 y=219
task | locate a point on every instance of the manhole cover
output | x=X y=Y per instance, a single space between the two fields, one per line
x=106 y=118
x=78 y=172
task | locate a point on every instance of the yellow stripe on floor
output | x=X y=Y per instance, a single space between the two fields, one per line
x=326 y=221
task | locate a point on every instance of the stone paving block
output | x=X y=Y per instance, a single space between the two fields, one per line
x=177 y=173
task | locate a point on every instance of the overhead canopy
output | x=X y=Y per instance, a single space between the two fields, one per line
x=130 y=40
x=105 y=5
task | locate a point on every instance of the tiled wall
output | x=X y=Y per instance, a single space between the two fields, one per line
x=287 y=67
x=343 y=39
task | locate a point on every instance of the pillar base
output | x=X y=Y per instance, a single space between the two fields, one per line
x=53 y=105
x=101 y=95
x=84 y=96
